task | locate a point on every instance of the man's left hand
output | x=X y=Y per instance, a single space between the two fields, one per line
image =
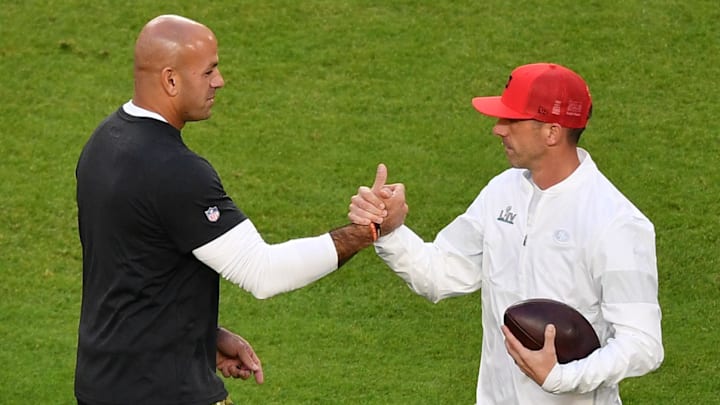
x=236 y=358
x=536 y=364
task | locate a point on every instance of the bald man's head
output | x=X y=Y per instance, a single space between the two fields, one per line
x=176 y=69
x=163 y=39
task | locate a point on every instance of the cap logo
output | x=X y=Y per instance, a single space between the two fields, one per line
x=212 y=214
x=574 y=108
x=556 y=107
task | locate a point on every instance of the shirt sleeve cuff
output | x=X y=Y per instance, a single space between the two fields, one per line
x=553 y=382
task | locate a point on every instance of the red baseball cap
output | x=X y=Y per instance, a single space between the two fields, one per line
x=541 y=91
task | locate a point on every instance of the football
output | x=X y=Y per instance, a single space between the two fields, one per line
x=575 y=338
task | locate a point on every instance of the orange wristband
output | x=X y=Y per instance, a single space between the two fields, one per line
x=375 y=229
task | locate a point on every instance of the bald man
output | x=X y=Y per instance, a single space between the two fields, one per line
x=157 y=232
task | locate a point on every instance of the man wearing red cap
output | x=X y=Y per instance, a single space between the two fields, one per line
x=552 y=226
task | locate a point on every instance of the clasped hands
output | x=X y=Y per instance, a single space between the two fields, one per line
x=382 y=203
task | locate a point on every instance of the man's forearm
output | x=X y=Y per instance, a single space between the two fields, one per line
x=351 y=239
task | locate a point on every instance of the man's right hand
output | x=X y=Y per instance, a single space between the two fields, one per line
x=383 y=204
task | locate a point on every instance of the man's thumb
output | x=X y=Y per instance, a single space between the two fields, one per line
x=380 y=178
x=550 y=336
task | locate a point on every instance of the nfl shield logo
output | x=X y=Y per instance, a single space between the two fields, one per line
x=212 y=214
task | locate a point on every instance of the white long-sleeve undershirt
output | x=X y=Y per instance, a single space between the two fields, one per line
x=242 y=256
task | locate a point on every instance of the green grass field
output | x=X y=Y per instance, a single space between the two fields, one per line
x=317 y=93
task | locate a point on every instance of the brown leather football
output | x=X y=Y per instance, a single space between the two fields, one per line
x=575 y=338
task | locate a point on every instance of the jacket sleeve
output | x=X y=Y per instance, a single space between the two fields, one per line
x=625 y=263
x=449 y=266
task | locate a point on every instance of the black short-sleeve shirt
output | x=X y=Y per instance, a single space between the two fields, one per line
x=149 y=312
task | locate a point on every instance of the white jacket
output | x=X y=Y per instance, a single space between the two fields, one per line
x=580 y=242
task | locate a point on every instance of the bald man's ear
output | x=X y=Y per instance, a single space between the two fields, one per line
x=170 y=81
